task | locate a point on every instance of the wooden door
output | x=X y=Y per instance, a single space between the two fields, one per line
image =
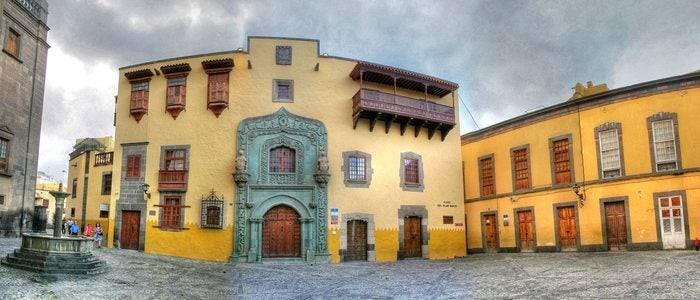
x=490 y=233
x=131 y=223
x=616 y=225
x=567 y=228
x=281 y=233
x=525 y=230
x=672 y=222
x=412 y=237
x=357 y=240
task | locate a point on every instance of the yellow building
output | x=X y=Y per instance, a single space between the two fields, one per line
x=332 y=158
x=90 y=182
x=605 y=170
x=43 y=200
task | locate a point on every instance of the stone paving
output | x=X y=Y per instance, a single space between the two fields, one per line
x=658 y=274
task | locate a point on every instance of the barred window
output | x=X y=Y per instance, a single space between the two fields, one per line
x=213 y=215
x=664 y=145
x=283 y=55
x=411 y=174
x=356 y=168
x=212 y=211
x=561 y=161
x=610 y=162
x=521 y=168
x=4 y=150
x=170 y=218
x=486 y=172
x=282 y=160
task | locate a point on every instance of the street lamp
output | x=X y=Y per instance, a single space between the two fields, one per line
x=144 y=188
x=577 y=190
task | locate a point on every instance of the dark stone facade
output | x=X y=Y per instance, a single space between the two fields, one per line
x=21 y=100
x=131 y=195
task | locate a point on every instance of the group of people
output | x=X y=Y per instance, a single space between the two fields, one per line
x=70 y=227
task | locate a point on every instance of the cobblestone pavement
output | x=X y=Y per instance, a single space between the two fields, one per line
x=659 y=274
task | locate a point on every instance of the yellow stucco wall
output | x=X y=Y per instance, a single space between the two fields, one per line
x=639 y=189
x=324 y=95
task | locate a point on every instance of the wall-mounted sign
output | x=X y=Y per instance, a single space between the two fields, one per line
x=334 y=216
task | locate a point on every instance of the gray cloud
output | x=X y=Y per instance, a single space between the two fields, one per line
x=508 y=57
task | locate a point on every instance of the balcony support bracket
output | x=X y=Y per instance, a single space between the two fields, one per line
x=387 y=123
x=373 y=121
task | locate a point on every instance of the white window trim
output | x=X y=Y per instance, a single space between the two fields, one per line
x=673 y=140
x=601 y=152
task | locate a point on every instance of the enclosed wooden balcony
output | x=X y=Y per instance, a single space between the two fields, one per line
x=172 y=180
x=389 y=108
x=104 y=159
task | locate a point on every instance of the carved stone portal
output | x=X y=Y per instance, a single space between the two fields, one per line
x=258 y=190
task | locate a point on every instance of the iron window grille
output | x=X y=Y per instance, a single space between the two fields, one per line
x=212 y=211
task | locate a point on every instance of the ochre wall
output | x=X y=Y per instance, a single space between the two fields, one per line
x=324 y=95
x=639 y=190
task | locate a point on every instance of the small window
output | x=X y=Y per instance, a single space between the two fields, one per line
x=282 y=160
x=283 y=55
x=139 y=95
x=212 y=211
x=45 y=203
x=561 y=161
x=356 y=168
x=486 y=175
x=106 y=183
x=170 y=218
x=411 y=171
x=218 y=88
x=521 y=169
x=610 y=162
x=133 y=166
x=2 y=199
x=177 y=90
x=447 y=220
x=213 y=215
x=72 y=212
x=283 y=90
x=175 y=159
x=664 y=145
x=74 y=190
x=12 y=43
x=4 y=153
x=104 y=210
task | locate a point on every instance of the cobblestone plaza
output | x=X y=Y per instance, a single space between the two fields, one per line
x=135 y=275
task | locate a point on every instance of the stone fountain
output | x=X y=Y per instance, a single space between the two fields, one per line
x=56 y=254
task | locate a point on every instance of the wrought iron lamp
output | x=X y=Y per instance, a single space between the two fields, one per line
x=144 y=188
x=577 y=190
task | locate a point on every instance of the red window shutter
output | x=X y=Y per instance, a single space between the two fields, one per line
x=133 y=167
x=218 y=87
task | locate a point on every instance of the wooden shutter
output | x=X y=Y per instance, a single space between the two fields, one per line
x=521 y=167
x=562 y=159
x=411 y=171
x=218 y=87
x=133 y=166
x=486 y=173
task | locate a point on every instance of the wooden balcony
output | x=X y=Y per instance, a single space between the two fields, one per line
x=389 y=108
x=172 y=180
x=139 y=105
x=104 y=159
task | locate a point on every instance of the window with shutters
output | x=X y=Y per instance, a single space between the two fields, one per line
x=664 y=145
x=560 y=150
x=74 y=190
x=171 y=210
x=218 y=88
x=218 y=83
x=520 y=157
x=486 y=176
x=283 y=90
x=139 y=99
x=107 y=183
x=176 y=94
x=4 y=155
x=411 y=171
x=12 y=43
x=133 y=166
x=282 y=160
x=175 y=159
x=610 y=154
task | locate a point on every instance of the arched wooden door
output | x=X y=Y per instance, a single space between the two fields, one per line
x=281 y=233
x=357 y=240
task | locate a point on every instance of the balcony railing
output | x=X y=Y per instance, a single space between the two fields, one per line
x=104 y=159
x=375 y=105
x=172 y=180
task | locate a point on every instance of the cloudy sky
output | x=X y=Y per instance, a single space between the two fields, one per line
x=508 y=57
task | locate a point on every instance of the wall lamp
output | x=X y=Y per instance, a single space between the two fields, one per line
x=144 y=188
x=577 y=190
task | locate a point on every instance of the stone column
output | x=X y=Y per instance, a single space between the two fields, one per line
x=240 y=234
x=60 y=196
x=321 y=208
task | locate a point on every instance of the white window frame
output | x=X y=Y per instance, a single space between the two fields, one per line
x=619 y=153
x=673 y=140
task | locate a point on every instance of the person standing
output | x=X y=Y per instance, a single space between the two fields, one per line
x=98 y=235
x=88 y=230
x=74 y=229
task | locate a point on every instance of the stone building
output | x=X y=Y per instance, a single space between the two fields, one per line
x=332 y=158
x=90 y=182
x=22 y=73
x=606 y=170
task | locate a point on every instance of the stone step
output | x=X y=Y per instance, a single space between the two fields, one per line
x=96 y=270
x=91 y=264
x=53 y=257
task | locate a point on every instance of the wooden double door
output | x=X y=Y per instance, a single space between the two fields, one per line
x=412 y=234
x=526 y=235
x=490 y=232
x=567 y=228
x=357 y=240
x=281 y=234
x=615 y=225
x=130 y=228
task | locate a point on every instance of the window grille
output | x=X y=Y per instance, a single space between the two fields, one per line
x=212 y=211
x=356 y=168
x=282 y=160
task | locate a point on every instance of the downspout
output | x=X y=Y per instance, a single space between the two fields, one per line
x=583 y=165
